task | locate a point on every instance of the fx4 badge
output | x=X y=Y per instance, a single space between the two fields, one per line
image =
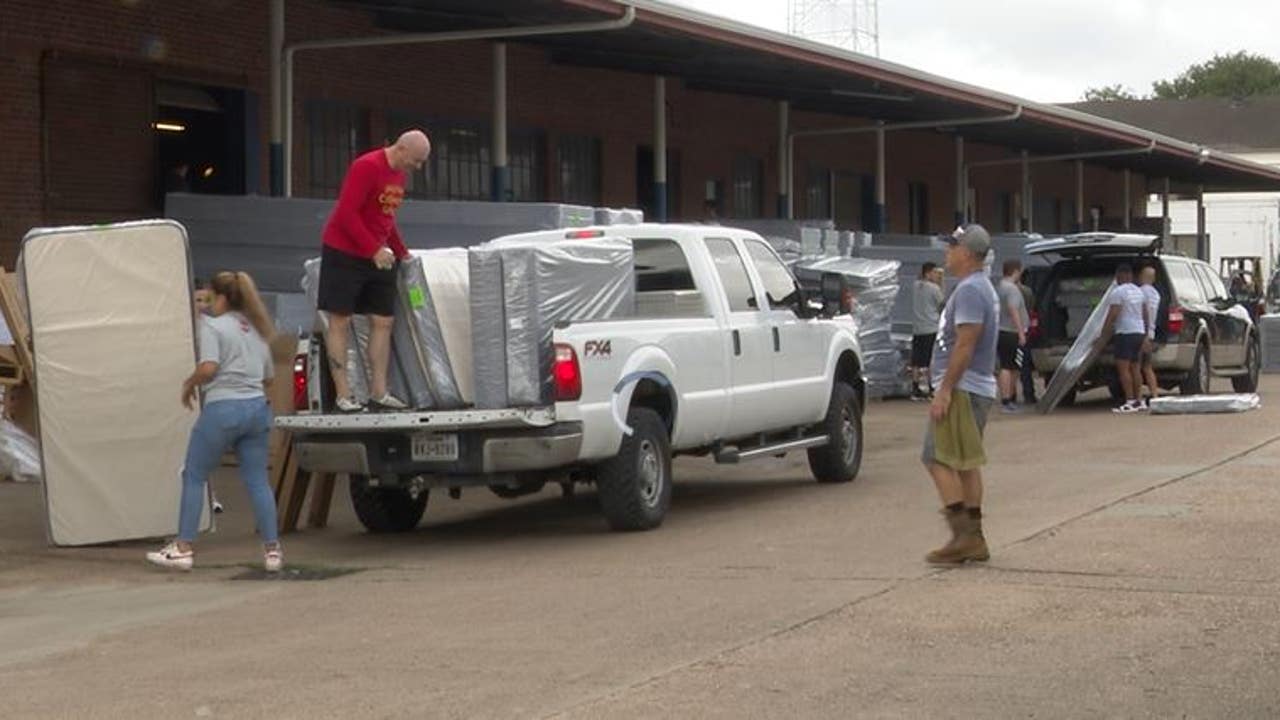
x=598 y=349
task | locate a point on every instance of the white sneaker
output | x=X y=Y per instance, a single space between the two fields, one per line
x=349 y=405
x=1128 y=409
x=388 y=402
x=171 y=557
x=273 y=560
x=217 y=506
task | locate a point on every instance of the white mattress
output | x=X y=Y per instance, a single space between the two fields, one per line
x=112 y=330
x=449 y=277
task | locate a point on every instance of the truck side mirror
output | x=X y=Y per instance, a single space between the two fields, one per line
x=832 y=289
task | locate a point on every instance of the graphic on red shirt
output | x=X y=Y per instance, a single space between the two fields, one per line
x=391 y=198
x=364 y=218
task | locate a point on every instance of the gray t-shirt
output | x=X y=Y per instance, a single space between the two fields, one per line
x=926 y=304
x=973 y=302
x=243 y=358
x=1152 y=296
x=1011 y=297
x=1130 y=300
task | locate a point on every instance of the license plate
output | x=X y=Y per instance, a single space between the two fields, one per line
x=435 y=447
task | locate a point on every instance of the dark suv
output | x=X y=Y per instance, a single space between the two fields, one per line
x=1200 y=332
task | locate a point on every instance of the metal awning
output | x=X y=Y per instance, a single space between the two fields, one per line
x=718 y=55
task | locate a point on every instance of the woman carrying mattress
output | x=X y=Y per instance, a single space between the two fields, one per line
x=233 y=372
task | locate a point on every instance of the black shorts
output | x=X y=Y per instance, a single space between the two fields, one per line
x=922 y=350
x=1128 y=347
x=1007 y=351
x=354 y=286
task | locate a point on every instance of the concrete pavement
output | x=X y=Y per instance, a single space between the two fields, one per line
x=1133 y=575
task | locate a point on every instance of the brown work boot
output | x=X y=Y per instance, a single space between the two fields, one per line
x=967 y=542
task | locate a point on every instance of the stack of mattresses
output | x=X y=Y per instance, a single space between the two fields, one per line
x=520 y=289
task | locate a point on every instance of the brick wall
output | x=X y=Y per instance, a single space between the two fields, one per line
x=88 y=165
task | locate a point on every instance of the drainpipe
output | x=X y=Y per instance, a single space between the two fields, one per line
x=274 y=79
x=1027 y=214
x=501 y=184
x=623 y=22
x=660 y=148
x=962 y=194
x=879 y=220
x=1164 y=213
x=1202 y=237
x=784 y=159
x=1128 y=201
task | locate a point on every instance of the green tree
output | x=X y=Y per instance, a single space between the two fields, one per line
x=1108 y=93
x=1237 y=75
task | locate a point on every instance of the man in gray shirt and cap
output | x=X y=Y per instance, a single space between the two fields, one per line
x=927 y=301
x=965 y=390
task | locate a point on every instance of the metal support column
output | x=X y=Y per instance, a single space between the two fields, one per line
x=1079 y=222
x=962 y=194
x=880 y=218
x=501 y=184
x=791 y=174
x=274 y=79
x=1024 y=223
x=1128 y=200
x=784 y=158
x=1202 y=237
x=660 y=148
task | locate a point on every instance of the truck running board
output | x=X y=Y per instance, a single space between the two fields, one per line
x=732 y=455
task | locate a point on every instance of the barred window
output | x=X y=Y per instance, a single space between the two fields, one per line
x=748 y=187
x=578 y=163
x=338 y=133
x=461 y=162
x=818 y=193
x=917 y=208
x=527 y=160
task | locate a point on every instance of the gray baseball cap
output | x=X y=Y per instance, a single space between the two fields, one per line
x=972 y=236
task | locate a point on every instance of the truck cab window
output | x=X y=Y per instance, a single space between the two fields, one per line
x=661 y=266
x=779 y=285
x=733 y=275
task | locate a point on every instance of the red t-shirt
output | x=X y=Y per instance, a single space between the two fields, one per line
x=364 y=220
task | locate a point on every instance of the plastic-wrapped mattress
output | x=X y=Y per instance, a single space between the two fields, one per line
x=520 y=289
x=1205 y=404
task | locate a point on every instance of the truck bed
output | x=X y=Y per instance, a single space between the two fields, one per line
x=505 y=418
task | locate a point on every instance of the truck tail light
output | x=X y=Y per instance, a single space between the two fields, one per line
x=300 y=399
x=1176 y=321
x=1033 y=332
x=567 y=374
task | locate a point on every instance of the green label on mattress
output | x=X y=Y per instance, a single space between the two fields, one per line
x=416 y=298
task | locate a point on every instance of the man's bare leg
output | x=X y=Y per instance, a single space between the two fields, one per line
x=1137 y=381
x=1152 y=382
x=380 y=352
x=971 y=481
x=336 y=347
x=947 y=481
x=1125 y=370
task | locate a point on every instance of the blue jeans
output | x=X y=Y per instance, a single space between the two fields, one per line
x=243 y=425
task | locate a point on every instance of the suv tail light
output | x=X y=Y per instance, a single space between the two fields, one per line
x=1176 y=321
x=567 y=374
x=1033 y=332
x=300 y=399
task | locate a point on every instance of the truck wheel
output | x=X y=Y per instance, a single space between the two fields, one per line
x=1197 y=380
x=386 y=509
x=635 y=485
x=1252 y=360
x=839 y=460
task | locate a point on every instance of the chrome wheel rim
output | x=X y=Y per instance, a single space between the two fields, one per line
x=649 y=471
x=849 y=435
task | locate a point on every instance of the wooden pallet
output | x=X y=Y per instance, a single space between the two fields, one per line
x=292 y=485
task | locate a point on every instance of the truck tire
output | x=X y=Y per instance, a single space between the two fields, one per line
x=839 y=460
x=386 y=509
x=635 y=485
x=1198 y=377
x=1253 y=361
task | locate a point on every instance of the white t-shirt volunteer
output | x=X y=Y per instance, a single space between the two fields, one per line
x=1152 y=296
x=1131 y=301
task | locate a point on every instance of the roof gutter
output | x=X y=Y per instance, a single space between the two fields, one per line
x=628 y=17
x=1148 y=150
x=914 y=125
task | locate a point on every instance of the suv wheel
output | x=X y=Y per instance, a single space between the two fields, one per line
x=1253 y=361
x=387 y=509
x=1199 y=376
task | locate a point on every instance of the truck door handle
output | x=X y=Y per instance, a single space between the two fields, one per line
x=777 y=341
x=737 y=343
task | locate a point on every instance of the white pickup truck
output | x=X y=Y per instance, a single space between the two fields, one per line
x=724 y=357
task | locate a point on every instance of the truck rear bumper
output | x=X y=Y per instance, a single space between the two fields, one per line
x=479 y=452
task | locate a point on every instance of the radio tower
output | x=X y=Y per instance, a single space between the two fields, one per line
x=849 y=24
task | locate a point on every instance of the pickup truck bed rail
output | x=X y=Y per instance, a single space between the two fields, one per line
x=505 y=418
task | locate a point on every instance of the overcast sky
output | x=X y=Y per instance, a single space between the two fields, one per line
x=1052 y=50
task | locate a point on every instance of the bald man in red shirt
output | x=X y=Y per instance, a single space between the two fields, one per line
x=358 y=263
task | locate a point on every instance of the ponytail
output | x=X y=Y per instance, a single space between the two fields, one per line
x=242 y=295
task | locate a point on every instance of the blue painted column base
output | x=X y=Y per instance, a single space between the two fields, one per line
x=500 y=187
